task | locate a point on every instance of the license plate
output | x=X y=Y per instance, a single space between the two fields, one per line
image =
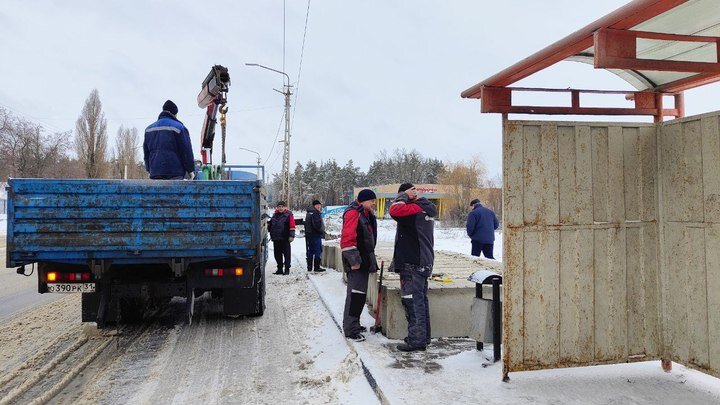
x=71 y=287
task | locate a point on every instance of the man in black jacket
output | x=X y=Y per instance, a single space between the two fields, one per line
x=357 y=242
x=413 y=258
x=314 y=234
x=282 y=233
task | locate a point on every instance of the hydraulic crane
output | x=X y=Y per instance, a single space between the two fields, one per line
x=213 y=97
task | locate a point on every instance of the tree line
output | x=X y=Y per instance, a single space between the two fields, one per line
x=27 y=149
x=333 y=184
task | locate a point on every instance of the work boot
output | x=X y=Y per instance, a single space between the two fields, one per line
x=287 y=271
x=279 y=270
x=309 y=264
x=407 y=348
x=317 y=265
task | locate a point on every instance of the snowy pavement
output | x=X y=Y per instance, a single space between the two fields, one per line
x=451 y=371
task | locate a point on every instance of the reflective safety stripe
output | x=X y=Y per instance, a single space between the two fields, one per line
x=349 y=248
x=407 y=296
x=354 y=291
x=167 y=128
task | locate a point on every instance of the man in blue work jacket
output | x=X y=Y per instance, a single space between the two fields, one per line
x=481 y=225
x=168 y=151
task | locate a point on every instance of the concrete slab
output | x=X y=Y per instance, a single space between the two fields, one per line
x=450 y=300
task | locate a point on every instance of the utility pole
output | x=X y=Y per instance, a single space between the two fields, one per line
x=285 y=192
x=286 y=151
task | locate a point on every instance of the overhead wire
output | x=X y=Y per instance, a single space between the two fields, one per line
x=302 y=53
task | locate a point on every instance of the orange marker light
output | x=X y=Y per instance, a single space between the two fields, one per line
x=239 y=271
x=52 y=276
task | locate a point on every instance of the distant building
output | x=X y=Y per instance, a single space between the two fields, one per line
x=438 y=194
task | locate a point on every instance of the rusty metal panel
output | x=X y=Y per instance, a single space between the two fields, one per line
x=541 y=297
x=580 y=205
x=540 y=188
x=711 y=164
x=575 y=185
x=712 y=264
x=649 y=176
x=512 y=177
x=690 y=172
x=644 y=334
x=610 y=294
x=576 y=285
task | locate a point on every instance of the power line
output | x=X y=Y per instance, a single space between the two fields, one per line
x=302 y=53
x=28 y=116
x=282 y=117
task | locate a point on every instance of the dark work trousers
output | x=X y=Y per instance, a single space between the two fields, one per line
x=313 y=244
x=357 y=284
x=282 y=250
x=413 y=290
x=485 y=248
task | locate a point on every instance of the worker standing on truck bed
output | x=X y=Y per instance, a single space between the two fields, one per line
x=282 y=232
x=167 y=149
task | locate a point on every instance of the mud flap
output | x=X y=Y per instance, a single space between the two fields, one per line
x=240 y=301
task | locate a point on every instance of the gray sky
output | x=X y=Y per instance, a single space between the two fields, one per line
x=375 y=74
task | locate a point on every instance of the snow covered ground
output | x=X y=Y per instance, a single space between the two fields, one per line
x=451 y=371
x=296 y=353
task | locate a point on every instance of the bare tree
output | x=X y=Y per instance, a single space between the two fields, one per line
x=125 y=158
x=465 y=180
x=91 y=137
x=26 y=150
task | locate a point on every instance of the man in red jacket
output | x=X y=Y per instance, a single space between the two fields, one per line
x=413 y=258
x=358 y=239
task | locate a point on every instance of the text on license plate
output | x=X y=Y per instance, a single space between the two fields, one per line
x=71 y=287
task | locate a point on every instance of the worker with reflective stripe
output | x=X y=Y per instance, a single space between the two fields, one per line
x=358 y=239
x=413 y=259
x=167 y=149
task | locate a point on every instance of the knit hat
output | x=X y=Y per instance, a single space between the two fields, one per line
x=279 y=203
x=473 y=202
x=316 y=202
x=365 y=195
x=170 y=107
x=405 y=186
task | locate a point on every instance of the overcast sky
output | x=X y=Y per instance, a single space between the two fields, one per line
x=375 y=74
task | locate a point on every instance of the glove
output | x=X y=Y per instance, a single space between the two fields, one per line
x=292 y=238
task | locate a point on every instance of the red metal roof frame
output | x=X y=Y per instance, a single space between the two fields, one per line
x=626 y=17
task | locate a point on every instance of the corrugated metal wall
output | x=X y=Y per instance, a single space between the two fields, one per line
x=581 y=240
x=689 y=156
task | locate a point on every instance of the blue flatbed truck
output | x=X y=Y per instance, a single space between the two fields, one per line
x=128 y=244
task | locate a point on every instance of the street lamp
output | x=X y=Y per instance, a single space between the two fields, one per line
x=258 y=160
x=286 y=152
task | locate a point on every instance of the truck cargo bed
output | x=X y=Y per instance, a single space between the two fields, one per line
x=131 y=221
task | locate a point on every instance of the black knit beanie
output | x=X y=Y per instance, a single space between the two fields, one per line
x=405 y=186
x=365 y=195
x=170 y=107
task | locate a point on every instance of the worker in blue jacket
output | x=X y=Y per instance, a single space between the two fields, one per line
x=481 y=225
x=168 y=151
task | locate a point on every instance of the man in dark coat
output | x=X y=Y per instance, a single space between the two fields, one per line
x=357 y=242
x=167 y=149
x=282 y=232
x=413 y=258
x=481 y=225
x=314 y=234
